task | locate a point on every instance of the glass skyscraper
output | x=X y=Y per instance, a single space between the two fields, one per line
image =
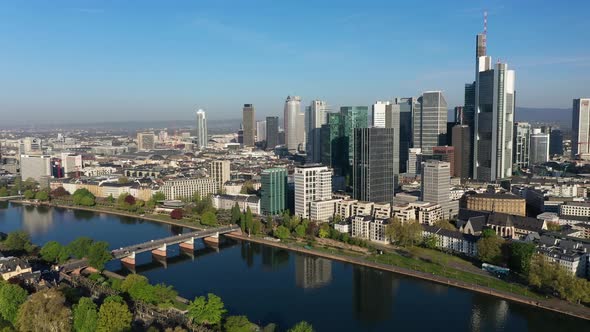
x=273 y=191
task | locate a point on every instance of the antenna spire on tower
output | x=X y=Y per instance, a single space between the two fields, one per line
x=485 y=22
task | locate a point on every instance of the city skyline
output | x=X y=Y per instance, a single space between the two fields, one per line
x=69 y=73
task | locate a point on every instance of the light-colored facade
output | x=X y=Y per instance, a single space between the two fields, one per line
x=413 y=156
x=220 y=171
x=539 y=152
x=577 y=209
x=436 y=186
x=316 y=116
x=430 y=122
x=294 y=124
x=146 y=141
x=322 y=211
x=260 y=131
x=378 y=114
x=71 y=163
x=504 y=203
x=312 y=183
x=201 y=132
x=226 y=202
x=248 y=125
x=35 y=167
x=11 y=267
x=453 y=241
x=344 y=208
x=422 y=212
x=522 y=144
x=581 y=128
x=186 y=188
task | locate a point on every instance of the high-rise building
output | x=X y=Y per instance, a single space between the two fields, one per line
x=273 y=191
x=354 y=117
x=71 y=163
x=459 y=115
x=260 y=131
x=539 y=152
x=146 y=141
x=392 y=120
x=522 y=142
x=249 y=126
x=201 y=133
x=30 y=146
x=407 y=106
x=316 y=117
x=581 y=128
x=445 y=153
x=414 y=161
x=436 y=185
x=462 y=144
x=556 y=142
x=35 y=167
x=430 y=122
x=334 y=145
x=373 y=167
x=220 y=171
x=294 y=124
x=378 y=114
x=272 y=132
x=313 y=182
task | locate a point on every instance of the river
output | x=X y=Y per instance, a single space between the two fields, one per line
x=272 y=285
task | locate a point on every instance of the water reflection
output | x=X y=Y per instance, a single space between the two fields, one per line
x=488 y=315
x=37 y=221
x=372 y=294
x=3 y=205
x=312 y=272
x=274 y=258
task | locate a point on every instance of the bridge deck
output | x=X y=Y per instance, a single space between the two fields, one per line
x=154 y=244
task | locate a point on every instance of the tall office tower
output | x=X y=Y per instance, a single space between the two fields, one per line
x=378 y=114
x=581 y=128
x=373 y=167
x=71 y=163
x=459 y=119
x=313 y=182
x=202 y=137
x=462 y=144
x=260 y=131
x=273 y=191
x=556 y=142
x=522 y=143
x=316 y=117
x=407 y=106
x=30 y=146
x=539 y=152
x=35 y=167
x=146 y=141
x=354 y=117
x=430 y=122
x=294 y=127
x=312 y=272
x=220 y=171
x=272 y=132
x=446 y=154
x=392 y=120
x=334 y=145
x=249 y=126
x=436 y=185
x=241 y=134
x=414 y=160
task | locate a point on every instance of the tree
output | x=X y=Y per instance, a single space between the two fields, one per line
x=236 y=214
x=238 y=324
x=301 y=327
x=430 y=242
x=130 y=200
x=114 y=316
x=158 y=196
x=3 y=192
x=408 y=233
x=208 y=311
x=445 y=224
x=45 y=311
x=98 y=255
x=520 y=256
x=83 y=197
x=489 y=248
x=248 y=188
x=256 y=226
x=123 y=180
x=29 y=194
x=282 y=232
x=59 y=192
x=324 y=233
x=18 y=241
x=176 y=214
x=11 y=298
x=85 y=315
x=553 y=226
x=54 y=252
x=111 y=199
x=209 y=218
x=300 y=230
x=80 y=247
x=42 y=195
x=88 y=201
x=248 y=218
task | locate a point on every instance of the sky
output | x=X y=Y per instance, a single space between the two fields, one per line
x=116 y=60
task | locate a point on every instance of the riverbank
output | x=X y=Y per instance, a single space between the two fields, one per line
x=551 y=304
x=113 y=212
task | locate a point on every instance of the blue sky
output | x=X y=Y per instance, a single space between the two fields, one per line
x=86 y=61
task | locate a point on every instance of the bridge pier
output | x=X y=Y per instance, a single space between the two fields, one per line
x=129 y=261
x=161 y=251
x=188 y=244
x=214 y=239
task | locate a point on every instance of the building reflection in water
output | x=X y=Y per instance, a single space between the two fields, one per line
x=37 y=220
x=488 y=314
x=312 y=272
x=372 y=294
x=272 y=258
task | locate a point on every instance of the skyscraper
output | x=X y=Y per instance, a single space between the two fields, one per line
x=201 y=129
x=354 y=117
x=539 y=152
x=581 y=128
x=260 y=131
x=36 y=167
x=313 y=182
x=522 y=142
x=220 y=171
x=378 y=114
x=406 y=108
x=272 y=132
x=249 y=127
x=294 y=124
x=273 y=191
x=373 y=167
x=462 y=144
x=556 y=143
x=430 y=122
x=334 y=145
x=316 y=116
x=393 y=121
x=436 y=185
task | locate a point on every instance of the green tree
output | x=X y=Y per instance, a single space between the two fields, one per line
x=123 y=180
x=83 y=197
x=430 y=242
x=248 y=188
x=236 y=214
x=3 y=192
x=553 y=226
x=282 y=232
x=29 y=194
x=114 y=316
x=85 y=315
x=110 y=199
x=238 y=324
x=158 y=196
x=11 y=298
x=324 y=233
x=256 y=226
x=87 y=201
x=445 y=224
x=19 y=241
x=98 y=255
x=45 y=311
x=80 y=247
x=408 y=233
x=301 y=327
x=520 y=256
x=54 y=252
x=207 y=311
x=42 y=195
x=489 y=248
x=209 y=218
x=300 y=230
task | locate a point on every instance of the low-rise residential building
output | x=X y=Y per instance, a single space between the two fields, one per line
x=11 y=267
x=577 y=209
x=377 y=230
x=322 y=211
x=344 y=208
x=360 y=226
x=362 y=208
x=343 y=226
x=570 y=255
x=369 y=228
x=453 y=241
x=382 y=210
x=423 y=212
x=186 y=188
x=226 y=202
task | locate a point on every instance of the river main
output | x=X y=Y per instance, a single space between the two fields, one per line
x=273 y=285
